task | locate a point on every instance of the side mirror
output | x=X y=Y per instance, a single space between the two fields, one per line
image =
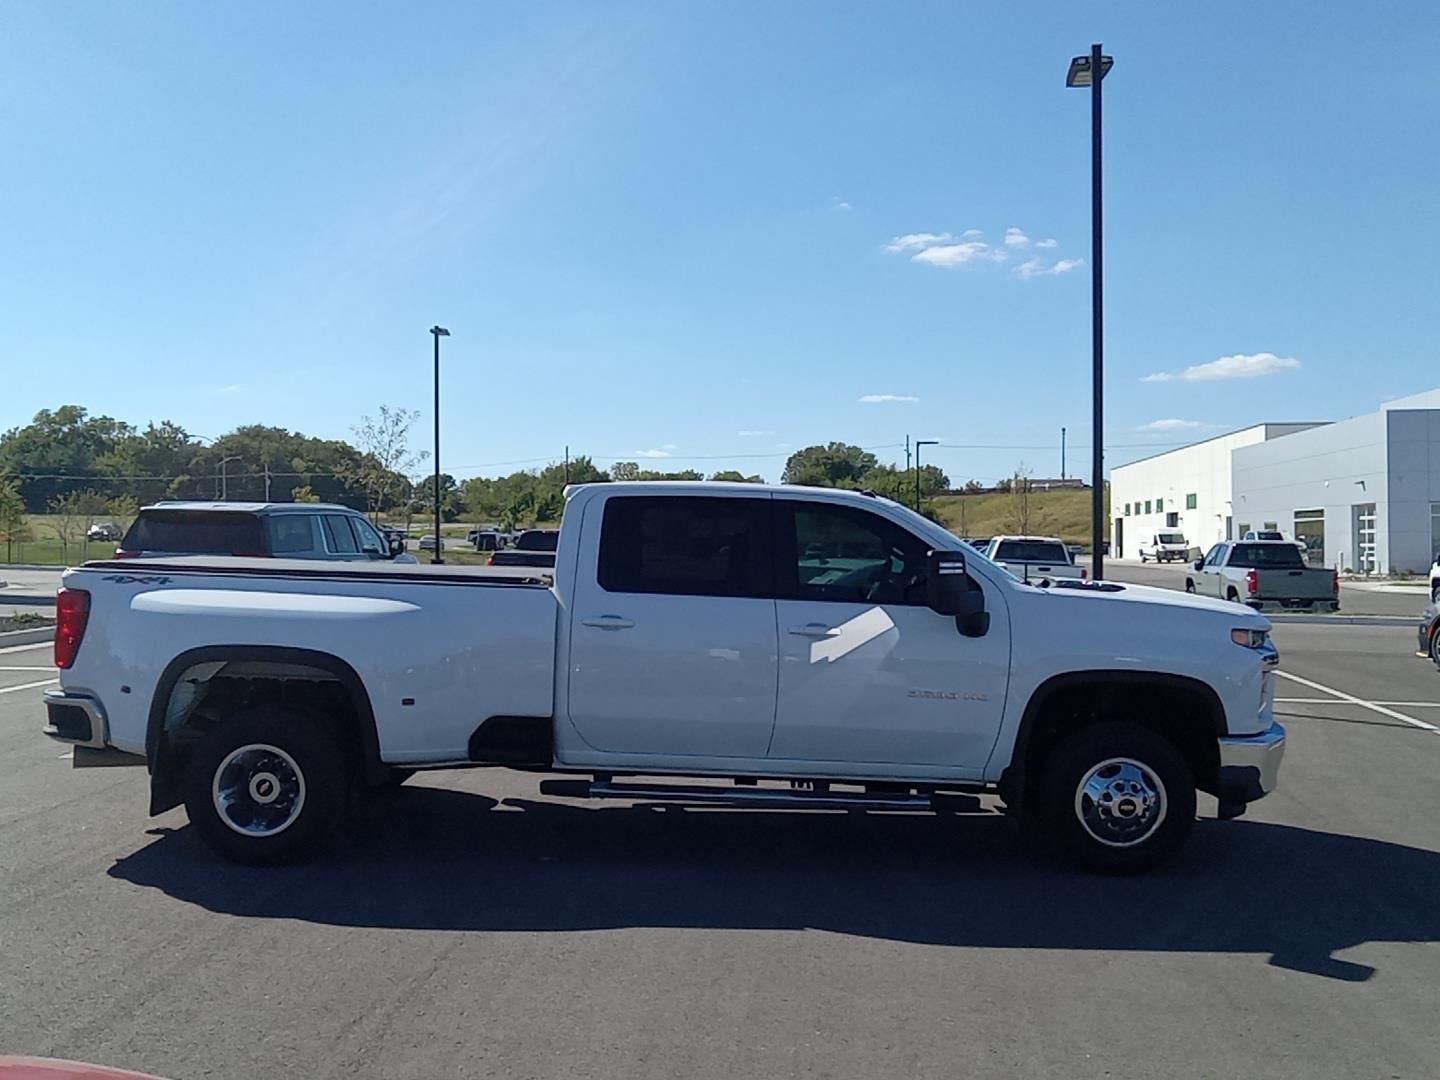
x=397 y=547
x=1198 y=564
x=951 y=592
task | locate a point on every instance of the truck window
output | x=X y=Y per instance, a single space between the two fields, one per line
x=686 y=546
x=1267 y=556
x=1041 y=551
x=291 y=534
x=339 y=536
x=850 y=555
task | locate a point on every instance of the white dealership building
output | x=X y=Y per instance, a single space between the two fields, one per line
x=1362 y=493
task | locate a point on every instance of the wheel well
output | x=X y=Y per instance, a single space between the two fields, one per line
x=1185 y=711
x=202 y=688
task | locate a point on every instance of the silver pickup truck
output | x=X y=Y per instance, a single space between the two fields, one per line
x=1268 y=575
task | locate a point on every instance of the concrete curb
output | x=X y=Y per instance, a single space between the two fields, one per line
x=27 y=637
x=33 y=566
x=1346 y=620
x=26 y=600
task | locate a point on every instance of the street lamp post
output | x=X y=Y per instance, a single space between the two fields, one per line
x=437 y=332
x=918 y=444
x=1091 y=71
x=225 y=478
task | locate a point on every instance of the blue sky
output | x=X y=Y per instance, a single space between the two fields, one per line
x=707 y=234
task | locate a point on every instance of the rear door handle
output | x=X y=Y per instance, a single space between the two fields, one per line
x=608 y=622
x=815 y=629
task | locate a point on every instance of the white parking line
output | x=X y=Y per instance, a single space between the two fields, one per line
x=1331 y=701
x=26 y=686
x=1353 y=700
x=27 y=648
x=27 y=667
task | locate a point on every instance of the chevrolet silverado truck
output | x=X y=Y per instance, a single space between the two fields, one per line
x=1267 y=575
x=1034 y=558
x=736 y=644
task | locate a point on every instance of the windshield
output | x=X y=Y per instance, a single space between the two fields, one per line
x=1278 y=556
x=1170 y=538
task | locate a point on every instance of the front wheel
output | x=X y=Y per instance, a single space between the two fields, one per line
x=267 y=786
x=1117 y=797
x=1189 y=585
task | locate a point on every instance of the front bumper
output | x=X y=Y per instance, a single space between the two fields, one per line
x=1250 y=766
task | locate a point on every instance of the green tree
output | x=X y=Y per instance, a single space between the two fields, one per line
x=385 y=458
x=625 y=470
x=13 y=526
x=58 y=451
x=737 y=477
x=121 y=509
x=304 y=493
x=834 y=464
x=899 y=484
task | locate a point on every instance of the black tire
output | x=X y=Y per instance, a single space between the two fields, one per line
x=1232 y=595
x=1146 y=778
x=1435 y=645
x=1189 y=585
x=288 y=785
x=1435 y=593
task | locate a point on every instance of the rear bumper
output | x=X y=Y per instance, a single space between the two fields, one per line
x=1330 y=604
x=1250 y=765
x=75 y=719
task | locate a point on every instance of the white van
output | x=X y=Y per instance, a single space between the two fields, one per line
x=1164 y=546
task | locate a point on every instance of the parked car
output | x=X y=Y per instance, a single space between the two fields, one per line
x=1263 y=534
x=427 y=542
x=538 y=540
x=1429 y=632
x=686 y=632
x=103 y=530
x=1435 y=579
x=486 y=540
x=1165 y=546
x=1266 y=575
x=1033 y=558
x=279 y=530
x=979 y=543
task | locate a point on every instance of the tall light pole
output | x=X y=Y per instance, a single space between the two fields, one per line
x=1091 y=71
x=224 y=478
x=918 y=444
x=437 y=332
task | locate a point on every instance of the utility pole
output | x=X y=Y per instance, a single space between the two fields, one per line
x=907 y=453
x=567 y=466
x=437 y=557
x=1062 y=453
x=267 y=481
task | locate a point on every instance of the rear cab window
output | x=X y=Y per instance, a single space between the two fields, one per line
x=681 y=545
x=1041 y=551
x=1279 y=556
x=196 y=532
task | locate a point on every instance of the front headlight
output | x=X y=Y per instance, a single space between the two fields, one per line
x=1250 y=639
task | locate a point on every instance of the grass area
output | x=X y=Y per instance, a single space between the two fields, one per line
x=1064 y=513
x=25 y=620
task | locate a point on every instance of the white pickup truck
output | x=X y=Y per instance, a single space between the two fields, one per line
x=779 y=645
x=1034 y=558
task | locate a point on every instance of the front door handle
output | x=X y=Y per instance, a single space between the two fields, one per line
x=815 y=629
x=608 y=622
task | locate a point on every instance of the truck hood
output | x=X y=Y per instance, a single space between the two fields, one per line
x=1114 y=592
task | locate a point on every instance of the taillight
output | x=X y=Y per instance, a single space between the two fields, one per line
x=121 y=553
x=1084 y=574
x=491 y=560
x=1335 y=582
x=72 y=612
x=1252 y=580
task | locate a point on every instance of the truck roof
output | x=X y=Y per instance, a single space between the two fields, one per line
x=247 y=507
x=1030 y=539
x=859 y=497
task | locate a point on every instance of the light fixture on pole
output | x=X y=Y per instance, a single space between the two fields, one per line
x=918 y=444
x=436 y=556
x=225 y=479
x=1090 y=71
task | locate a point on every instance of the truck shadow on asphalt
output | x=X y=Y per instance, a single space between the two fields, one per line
x=435 y=859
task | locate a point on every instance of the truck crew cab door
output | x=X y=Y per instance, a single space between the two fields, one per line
x=672 y=627
x=868 y=673
x=1211 y=581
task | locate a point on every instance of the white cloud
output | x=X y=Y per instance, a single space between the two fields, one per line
x=839 y=205
x=971 y=234
x=1045 y=244
x=231 y=389
x=656 y=452
x=875 y=399
x=1016 y=238
x=1239 y=366
x=950 y=256
x=753 y=433
x=1172 y=424
x=1036 y=266
x=917 y=241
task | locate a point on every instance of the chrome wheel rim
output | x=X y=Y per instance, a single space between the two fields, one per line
x=1120 y=802
x=258 y=790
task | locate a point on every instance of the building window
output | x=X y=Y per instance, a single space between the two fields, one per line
x=1159 y=506
x=1189 y=502
x=1172 y=519
x=1127 y=514
x=1310 y=531
x=1147 y=506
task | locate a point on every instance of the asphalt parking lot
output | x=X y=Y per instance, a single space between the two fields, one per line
x=470 y=927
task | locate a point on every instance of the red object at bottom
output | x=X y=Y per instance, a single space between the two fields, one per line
x=29 y=1068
